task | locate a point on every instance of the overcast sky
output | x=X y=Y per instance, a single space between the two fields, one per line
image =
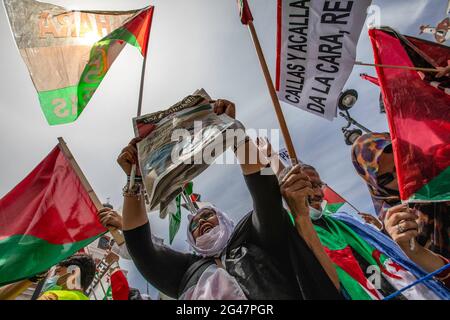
x=193 y=44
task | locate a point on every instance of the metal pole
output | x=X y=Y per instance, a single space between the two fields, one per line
x=354 y=122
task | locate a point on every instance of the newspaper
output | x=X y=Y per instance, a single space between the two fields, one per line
x=163 y=177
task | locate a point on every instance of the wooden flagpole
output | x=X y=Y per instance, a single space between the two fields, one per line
x=118 y=237
x=273 y=94
x=359 y=63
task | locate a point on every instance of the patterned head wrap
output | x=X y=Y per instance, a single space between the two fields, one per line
x=366 y=152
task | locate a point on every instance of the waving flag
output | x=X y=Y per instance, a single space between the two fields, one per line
x=174 y=218
x=175 y=210
x=68 y=53
x=418 y=114
x=334 y=200
x=46 y=218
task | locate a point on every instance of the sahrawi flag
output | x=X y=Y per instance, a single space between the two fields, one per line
x=418 y=114
x=316 y=51
x=174 y=209
x=46 y=218
x=68 y=53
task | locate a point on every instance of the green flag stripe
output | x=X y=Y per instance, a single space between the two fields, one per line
x=175 y=220
x=64 y=105
x=59 y=106
x=23 y=256
x=97 y=67
x=437 y=189
x=333 y=208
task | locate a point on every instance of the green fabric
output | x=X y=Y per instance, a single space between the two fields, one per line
x=68 y=294
x=189 y=188
x=65 y=105
x=437 y=189
x=353 y=288
x=98 y=65
x=23 y=256
x=175 y=220
x=59 y=106
x=339 y=237
x=333 y=208
x=108 y=295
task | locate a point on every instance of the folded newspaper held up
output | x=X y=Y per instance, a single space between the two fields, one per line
x=180 y=143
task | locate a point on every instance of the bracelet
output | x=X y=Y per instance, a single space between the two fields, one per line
x=135 y=191
x=137 y=179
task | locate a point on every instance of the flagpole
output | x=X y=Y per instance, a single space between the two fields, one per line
x=141 y=88
x=359 y=63
x=140 y=101
x=273 y=94
x=118 y=237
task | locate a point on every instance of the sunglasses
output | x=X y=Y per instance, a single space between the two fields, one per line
x=196 y=223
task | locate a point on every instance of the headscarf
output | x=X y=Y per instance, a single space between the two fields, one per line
x=366 y=152
x=434 y=221
x=212 y=244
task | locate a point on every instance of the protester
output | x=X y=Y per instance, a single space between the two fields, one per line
x=345 y=238
x=68 y=284
x=263 y=257
x=427 y=225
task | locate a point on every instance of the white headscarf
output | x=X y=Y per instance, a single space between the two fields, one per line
x=212 y=243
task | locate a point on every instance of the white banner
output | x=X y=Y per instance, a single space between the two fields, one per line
x=316 y=51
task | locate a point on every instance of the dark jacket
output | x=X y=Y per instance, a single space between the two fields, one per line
x=265 y=254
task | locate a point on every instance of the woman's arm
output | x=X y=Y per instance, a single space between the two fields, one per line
x=160 y=265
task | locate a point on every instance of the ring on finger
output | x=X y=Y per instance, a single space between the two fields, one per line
x=400 y=228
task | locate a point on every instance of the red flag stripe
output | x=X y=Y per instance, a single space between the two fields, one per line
x=140 y=26
x=50 y=204
x=416 y=111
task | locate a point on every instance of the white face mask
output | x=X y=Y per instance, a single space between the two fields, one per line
x=50 y=283
x=207 y=241
x=213 y=242
x=315 y=214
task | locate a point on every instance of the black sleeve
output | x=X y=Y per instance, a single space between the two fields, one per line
x=269 y=219
x=159 y=265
